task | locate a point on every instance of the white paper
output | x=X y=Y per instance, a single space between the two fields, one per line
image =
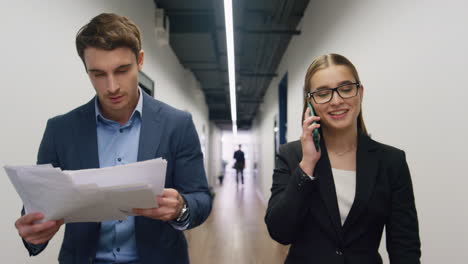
x=151 y=172
x=91 y=195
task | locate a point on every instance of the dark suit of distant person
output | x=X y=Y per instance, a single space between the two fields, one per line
x=239 y=165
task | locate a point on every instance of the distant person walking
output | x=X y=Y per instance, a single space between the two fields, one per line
x=240 y=164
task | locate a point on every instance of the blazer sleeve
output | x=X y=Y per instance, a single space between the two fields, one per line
x=189 y=176
x=402 y=231
x=287 y=206
x=46 y=155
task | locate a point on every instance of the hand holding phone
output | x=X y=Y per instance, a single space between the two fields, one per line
x=310 y=131
x=315 y=132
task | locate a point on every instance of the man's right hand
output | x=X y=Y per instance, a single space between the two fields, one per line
x=36 y=233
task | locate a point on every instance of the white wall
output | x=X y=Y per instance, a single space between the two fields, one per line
x=42 y=76
x=215 y=168
x=412 y=58
x=263 y=133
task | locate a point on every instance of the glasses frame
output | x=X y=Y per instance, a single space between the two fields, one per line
x=311 y=94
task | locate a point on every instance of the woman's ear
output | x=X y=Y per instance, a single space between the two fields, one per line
x=361 y=92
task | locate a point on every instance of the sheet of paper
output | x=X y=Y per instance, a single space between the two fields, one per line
x=93 y=195
x=151 y=172
x=17 y=183
x=125 y=198
x=96 y=207
x=39 y=187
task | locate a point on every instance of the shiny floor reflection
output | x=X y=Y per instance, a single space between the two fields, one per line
x=235 y=231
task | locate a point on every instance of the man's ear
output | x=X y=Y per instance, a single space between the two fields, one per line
x=140 y=59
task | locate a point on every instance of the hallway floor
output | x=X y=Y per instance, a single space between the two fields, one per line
x=235 y=232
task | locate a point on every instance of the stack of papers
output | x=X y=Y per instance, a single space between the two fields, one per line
x=92 y=195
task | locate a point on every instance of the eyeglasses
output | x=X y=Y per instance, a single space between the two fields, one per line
x=345 y=91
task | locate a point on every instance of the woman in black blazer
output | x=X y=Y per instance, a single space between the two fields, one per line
x=331 y=205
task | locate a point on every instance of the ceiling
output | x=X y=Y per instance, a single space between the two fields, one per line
x=262 y=31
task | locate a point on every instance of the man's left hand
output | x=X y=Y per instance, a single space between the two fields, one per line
x=170 y=205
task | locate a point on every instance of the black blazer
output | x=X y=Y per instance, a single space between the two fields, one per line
x=304 y=212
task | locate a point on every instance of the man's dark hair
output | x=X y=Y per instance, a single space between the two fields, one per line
x=109 y=31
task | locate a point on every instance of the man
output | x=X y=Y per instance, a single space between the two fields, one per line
x=123 y=125
x=240 y=164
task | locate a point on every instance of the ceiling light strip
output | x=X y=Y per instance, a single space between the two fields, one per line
x=231 y=64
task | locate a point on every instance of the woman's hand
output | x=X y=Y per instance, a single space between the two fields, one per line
x=310 y=156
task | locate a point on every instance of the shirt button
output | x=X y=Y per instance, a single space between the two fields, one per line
x=118 y=249
x=119 y=159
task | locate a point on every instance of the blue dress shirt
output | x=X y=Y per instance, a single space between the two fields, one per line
x=118 y=145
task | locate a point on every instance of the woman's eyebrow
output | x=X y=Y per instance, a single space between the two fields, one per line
x=345 y=82
x=339 y=84
x=322 y=87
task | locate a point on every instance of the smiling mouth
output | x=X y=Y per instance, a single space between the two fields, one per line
x=338 y=113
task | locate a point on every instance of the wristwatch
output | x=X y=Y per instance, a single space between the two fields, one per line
x=183 y=213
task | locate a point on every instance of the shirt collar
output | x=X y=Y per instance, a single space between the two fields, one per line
x=138 y=109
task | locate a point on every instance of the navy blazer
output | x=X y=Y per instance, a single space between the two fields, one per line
x=304 y=212
x=70 y=142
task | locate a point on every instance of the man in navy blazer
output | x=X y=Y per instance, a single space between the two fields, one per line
x=122 y=125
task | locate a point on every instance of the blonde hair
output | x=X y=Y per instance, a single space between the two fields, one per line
x=323 y=62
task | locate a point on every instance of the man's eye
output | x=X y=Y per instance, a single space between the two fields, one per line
x=99 y=75
x=122 y=71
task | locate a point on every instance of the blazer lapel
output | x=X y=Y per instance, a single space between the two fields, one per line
x=151 y=132
x=150 y=138
x=86 y=135
x=328 y=191
x=366 y=173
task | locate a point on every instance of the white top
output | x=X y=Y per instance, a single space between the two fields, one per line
x=345 y=185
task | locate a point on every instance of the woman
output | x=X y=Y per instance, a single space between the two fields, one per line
x=331 y=205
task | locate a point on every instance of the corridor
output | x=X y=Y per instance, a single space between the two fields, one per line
x=235 y=231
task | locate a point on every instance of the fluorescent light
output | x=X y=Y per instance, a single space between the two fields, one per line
x=234 y=129
x=231 y=64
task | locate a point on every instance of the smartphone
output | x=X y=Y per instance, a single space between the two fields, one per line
x=315 y=132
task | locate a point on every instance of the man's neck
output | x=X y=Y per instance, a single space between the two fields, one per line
x=120 y=116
